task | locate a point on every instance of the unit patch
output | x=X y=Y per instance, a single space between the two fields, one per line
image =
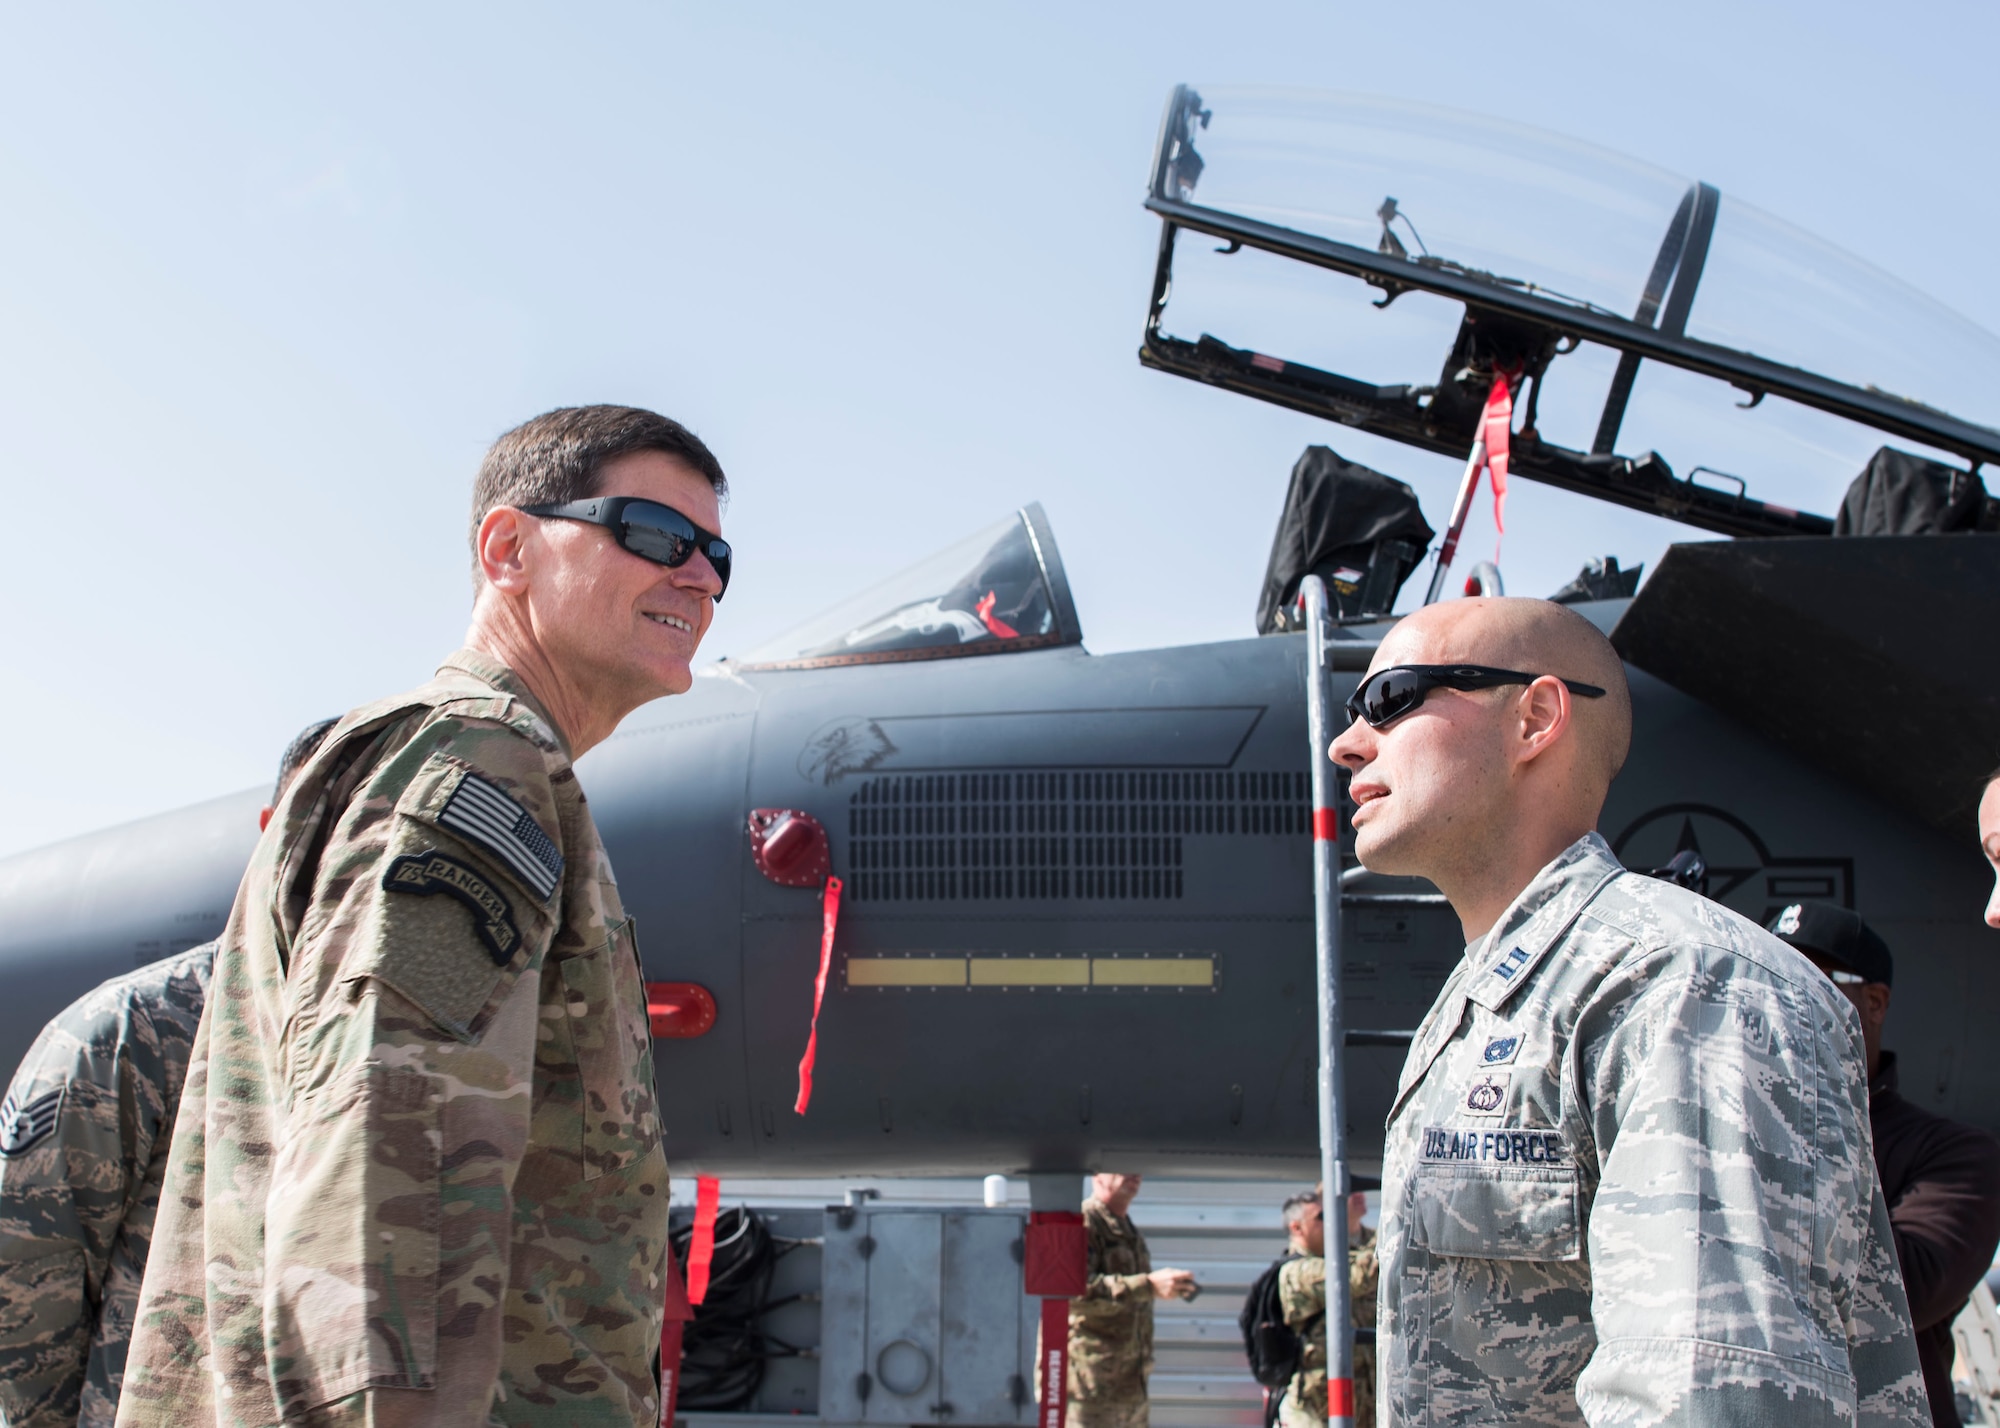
x=1501 y=1050
x=1507 y=967
x=26 y=1124
x=1497 y=1147
x=1488 y=1094
x=481 y=813
x=432 y=872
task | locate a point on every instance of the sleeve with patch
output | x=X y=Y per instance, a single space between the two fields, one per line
x=453 y=872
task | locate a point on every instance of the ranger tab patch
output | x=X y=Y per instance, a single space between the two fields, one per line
x=479 y=812
x=24 y=1125
x=429 y=873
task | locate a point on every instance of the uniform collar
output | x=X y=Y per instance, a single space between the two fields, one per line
x=497 y=676
x=1537 y=919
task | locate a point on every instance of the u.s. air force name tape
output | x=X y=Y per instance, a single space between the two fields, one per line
x=1495 y=1146
x=482 y=814
x=25 y=1124
x=429 y=873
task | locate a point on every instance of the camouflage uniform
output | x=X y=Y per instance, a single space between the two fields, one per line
x=1628 y=1180
x=1302 y=1297
x=83 y=1154
x=1111 y=1327
x=418 y=1177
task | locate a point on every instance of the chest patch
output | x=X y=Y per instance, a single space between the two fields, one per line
x=429 y=873
x=479 y=812
x=1488 y=1094
x=1450 y=1145
x=25 y=1124
x=1500 y=1051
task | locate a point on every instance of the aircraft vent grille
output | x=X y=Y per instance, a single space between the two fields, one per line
x=1095 y=834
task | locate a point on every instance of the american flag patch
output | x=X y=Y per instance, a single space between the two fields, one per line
x=482 y=813
x=23 y=1124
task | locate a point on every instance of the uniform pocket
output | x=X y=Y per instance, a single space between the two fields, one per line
x=1493 y=1212
x=610 y=1043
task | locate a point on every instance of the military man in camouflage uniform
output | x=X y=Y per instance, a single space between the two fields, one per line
x=84 y=1135
x=1302 y=1297
x=418 y=1176
x=1627 y=1175
x=1111 y=1327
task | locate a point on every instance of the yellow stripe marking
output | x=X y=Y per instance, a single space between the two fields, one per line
x=1030 y=971
x=1152 y=971
x=906 y=971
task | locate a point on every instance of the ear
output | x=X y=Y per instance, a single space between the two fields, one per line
x=503 y=546
x=1877 y=997
x=1542 y=714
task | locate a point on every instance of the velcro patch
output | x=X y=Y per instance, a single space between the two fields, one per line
x=25 y=1125
x=480 y=813
x=431 y=872
x=1451 y=1144
x=1488 y=1094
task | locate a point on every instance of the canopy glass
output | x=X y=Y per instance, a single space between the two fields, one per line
x=996 y=592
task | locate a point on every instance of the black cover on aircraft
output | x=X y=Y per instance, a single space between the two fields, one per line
x=1861 y=656
x=1901 y=494
x=1358 y=530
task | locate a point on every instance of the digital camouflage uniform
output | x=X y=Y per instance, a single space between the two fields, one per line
x=418 y=1177
x=83 y=1154
x=1628 y=1179
x=1111 y=1327
x=1302 y=1300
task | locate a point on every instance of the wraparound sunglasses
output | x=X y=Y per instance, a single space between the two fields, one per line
x=1388 y=694
x=648 y=529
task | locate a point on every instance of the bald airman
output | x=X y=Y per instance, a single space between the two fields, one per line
x=1626 y=1177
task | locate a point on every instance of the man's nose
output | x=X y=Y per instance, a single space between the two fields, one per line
x=1993 y=906
x=1353 y=746
x=698 y=575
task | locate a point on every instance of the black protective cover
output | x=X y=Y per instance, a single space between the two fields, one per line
x=1869 y=656
x=1901 y=494
x=1336 y=514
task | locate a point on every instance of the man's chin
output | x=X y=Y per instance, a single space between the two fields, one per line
x=1380 y=851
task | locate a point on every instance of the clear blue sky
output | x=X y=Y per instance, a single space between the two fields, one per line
x=271 y=277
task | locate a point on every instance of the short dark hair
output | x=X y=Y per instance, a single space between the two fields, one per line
x=303 y=746
x=557 y=457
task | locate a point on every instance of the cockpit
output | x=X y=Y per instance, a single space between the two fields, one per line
x=996 y=592
x=1673 y=349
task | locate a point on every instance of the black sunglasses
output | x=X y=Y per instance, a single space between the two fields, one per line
x=1388 y=694
x=648 y=529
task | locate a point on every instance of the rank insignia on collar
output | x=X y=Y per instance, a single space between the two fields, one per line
x=428 y=873
x=1488 y=1094
x=1501 y=1050
x=25 y=1124
x=1507 y=967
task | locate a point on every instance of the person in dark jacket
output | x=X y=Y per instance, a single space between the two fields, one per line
x=1941 y=1179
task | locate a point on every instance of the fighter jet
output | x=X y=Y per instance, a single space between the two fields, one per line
x=1073 y=926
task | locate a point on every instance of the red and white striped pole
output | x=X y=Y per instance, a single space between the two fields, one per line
x=1332 y=1030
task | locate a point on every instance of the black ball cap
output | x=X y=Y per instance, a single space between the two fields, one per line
x=1833 y=934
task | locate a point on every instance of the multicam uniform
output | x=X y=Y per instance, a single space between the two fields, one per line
x=1628 y=1179
x=1302 y=1299
x=83 y=1154
x=418 y=1177
x=1111 y=1327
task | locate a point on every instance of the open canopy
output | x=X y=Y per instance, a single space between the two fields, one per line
x=993 y=593
x=1648 y=313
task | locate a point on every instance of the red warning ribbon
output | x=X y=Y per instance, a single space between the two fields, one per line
x=701 y=1245
x=829 y=918
x=1496 y=427
x=998 y=627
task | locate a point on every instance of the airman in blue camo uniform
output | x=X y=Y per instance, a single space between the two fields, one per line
x=1627 y=1177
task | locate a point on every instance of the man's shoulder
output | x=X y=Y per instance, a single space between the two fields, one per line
x=1899 y=1120
x=160 y=1002
x=1660 y=930
x=1302 y=1272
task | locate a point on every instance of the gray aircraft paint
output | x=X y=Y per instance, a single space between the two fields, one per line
x=966 y=1080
